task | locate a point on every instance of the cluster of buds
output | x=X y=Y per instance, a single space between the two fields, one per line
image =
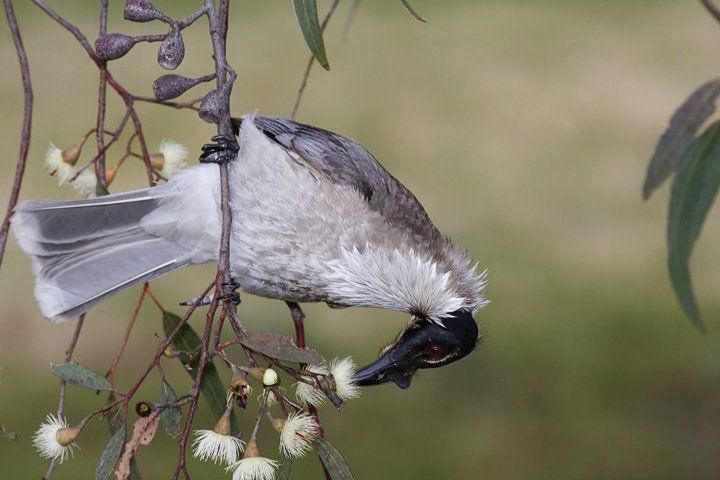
x=112 y=46
x=171 y=53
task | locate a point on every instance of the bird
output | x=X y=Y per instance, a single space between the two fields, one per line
x=316 y=218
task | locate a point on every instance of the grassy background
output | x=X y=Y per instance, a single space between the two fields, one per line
x=525 y=128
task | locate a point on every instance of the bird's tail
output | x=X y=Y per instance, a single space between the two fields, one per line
x=84 y=251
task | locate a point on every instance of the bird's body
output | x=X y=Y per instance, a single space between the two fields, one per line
x=299 y=233
x=315 y=219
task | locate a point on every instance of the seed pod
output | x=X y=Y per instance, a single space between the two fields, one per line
x=172 y=50
x=72 y=153
x=113 y=45
x=141 y=11
x=213 y=107
x=170 y=86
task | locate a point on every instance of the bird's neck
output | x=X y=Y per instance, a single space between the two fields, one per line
x=402 y=280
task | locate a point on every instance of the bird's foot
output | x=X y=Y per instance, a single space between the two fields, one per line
x=222 y=151
x=230 y=292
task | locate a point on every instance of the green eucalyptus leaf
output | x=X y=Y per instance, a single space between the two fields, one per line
x=693 y=191
x=81 y=376
x=307 y=17
x=680 y=134
x=284 y=469
x=111 y=454
x=212 y=387
x=412 y=11
x=332 y=460
x=170 y=417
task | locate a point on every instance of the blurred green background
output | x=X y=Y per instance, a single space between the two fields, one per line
x=524 y=127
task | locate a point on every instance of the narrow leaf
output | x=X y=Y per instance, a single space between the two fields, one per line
x=284 y=470
x=111 y=454
x=81 y=376
x=694 y=189
x=307 y=16
x=679 y=135
x=333 y=460
x=170 y=417
x=280 y=346
x=5 y=435
x=409 y=8
x=212 y=387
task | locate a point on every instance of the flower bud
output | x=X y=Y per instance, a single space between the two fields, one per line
x=110 y=173
x=141 y=11
x=223 y=425
x=213 y=107
x=71 y=154
x=172 y=50
x=171 y=86
x=278 y=423
x=170 y=352
x=270 y=378
x=252 y=449
x=113 y=45
x=66 y=436
x=157 y=160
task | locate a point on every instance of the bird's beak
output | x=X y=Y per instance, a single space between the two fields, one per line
x=385 y=369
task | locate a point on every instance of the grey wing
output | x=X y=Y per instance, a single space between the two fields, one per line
x=346 y=162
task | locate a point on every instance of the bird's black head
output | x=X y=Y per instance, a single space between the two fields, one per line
x=423 y=344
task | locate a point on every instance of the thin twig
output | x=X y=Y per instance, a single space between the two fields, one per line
x=311 y=61
x=111 y=371
x=26 y=126
x=102 y=101
x=712 y=8
x=61 y=399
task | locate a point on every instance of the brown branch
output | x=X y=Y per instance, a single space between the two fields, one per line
x=225 y=76
x=164 y=344
x=111 y=371
x=712 y=8
x=61 y=399
x=191 y=105
x=311 y=60
x=26 y=126
x=102 y=100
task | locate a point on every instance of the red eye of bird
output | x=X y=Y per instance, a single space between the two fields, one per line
x=435 y=351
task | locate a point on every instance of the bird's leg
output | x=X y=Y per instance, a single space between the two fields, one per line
x=223 y=150
x=298 y=316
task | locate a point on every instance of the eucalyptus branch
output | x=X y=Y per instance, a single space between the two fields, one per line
x=712 y=8
x=26 y=126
